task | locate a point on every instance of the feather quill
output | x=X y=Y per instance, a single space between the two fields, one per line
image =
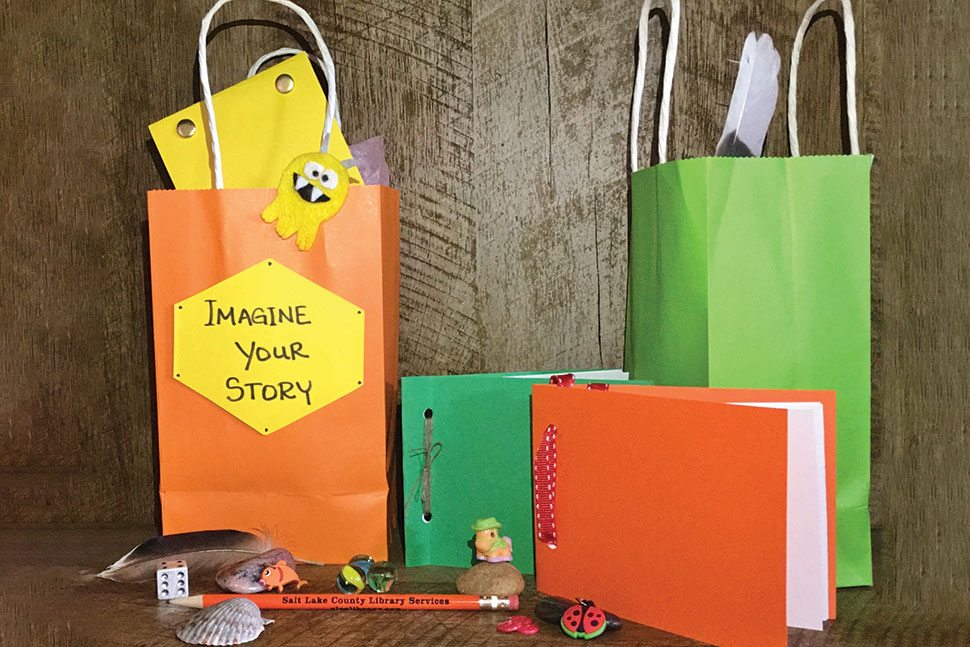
x=754 y=99
x=203 y=550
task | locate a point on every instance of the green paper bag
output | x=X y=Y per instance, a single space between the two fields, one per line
x=754 y=273
x=480 y=450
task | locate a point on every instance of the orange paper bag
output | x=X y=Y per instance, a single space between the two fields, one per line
x=667 y=512
x=318 y=484
x=276 y=362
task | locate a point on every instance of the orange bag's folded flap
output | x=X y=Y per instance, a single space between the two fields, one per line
x=320 y=481
x=826 y=397
x=669 y=512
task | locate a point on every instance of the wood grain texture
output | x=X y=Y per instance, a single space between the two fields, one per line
x=505 y=124
x=550 y=123
x=76 y=416
x=922 y=370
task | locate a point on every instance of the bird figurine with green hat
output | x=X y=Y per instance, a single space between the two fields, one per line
x=489 y=546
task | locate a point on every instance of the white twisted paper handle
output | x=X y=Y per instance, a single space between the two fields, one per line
x=850 y=70
x=669 y=65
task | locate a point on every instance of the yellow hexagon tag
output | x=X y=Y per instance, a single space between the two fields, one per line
x=269 y=345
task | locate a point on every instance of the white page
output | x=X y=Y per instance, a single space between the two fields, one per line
x=808 y=566
x=604 y=374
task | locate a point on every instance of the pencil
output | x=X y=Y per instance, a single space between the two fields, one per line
x=366 y=601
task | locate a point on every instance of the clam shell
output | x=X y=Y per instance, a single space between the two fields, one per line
x=230 y=622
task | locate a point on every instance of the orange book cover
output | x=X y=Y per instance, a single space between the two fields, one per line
x=826 y=398
x=669 y=512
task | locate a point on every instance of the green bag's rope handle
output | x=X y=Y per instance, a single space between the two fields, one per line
x=850 y=70
x=292 y=51
x=329 y=73
x=669 y=65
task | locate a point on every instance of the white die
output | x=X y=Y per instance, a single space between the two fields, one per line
x=172 y=580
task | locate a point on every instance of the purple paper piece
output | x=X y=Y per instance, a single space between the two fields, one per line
x=369 y=156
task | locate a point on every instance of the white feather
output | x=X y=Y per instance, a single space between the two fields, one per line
x=754 y=99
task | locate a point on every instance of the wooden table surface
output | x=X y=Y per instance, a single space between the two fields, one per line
x=49 y=596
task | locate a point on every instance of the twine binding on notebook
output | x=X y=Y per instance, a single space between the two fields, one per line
x=429 y=451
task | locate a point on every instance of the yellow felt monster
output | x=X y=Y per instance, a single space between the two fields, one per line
x=311 y=191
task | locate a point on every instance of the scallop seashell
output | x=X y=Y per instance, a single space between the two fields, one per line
x=230 y=622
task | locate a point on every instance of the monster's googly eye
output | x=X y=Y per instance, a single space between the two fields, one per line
x=313 y=170
x=329 y=179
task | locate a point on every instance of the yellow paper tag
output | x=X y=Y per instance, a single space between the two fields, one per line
x=269 y=345
x=261 y=129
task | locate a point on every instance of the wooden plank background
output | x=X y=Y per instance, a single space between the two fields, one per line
x=506 y=130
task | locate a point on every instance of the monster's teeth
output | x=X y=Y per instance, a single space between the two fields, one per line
x=299 y=181
x=315 y=194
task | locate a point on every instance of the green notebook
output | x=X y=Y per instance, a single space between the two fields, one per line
x=480 y=439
